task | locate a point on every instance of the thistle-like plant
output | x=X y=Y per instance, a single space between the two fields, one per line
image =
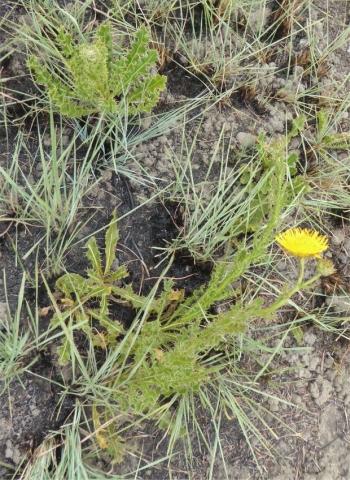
x=84 y=300
x=92 y=78
x=166 y=353
x=171 y=350
x=260 y=203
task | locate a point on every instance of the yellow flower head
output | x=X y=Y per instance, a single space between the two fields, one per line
x=302 y=242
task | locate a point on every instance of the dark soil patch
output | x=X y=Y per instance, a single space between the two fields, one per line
x=28 y=411
x=182 y=82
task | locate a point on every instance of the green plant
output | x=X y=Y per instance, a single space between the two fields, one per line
x=78 y=293
x=259 y=183
x=172 y=351
x=326 y=149
x=85 y=300
x=126 y=375
x=94 y=79
x=231 y=202
x=173 y=347
x=325 y=139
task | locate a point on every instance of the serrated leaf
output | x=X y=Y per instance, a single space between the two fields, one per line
x=119 y=274
x=104 y=33
x=89 y=71
x=337 y=141
x=322 y=122
x=113 y=327
x=111 y=240
x=94 y=257
x=126 y=293
x=93 y=79
x=146 y=95
x=292 y=159
x=297 y=126
x=100 y=432
x=71 y=283
x=106 y=436
x=300 y=185
x=59 y=317
x=298 y=334
x=65 y=42
x=104 y=305
x=128 y=71
x=97 y=291
x=245 y=177
x=100 y=340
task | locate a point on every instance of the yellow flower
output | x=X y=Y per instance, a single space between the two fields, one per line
x=302 y=242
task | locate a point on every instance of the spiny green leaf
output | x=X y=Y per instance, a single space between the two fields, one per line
x=298 y=335
x=72 y=283
x=61 y=95
x=139 y=60
x=59 y=317
x=98 y=291
x=104 y=33
x=94 y=256
x=322 y=118
x=119 y=274
x=65 y=42
x=111 y=240
x=337 y=141
x=298 y=125
x=127 y=294
x=146 y=95
x=89 y=70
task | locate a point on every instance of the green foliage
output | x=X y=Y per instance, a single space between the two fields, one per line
x=176 y=366
x=167 y=355
x=167 y=352
x=325 y=138
x=260 y=203
x=86 y=299
x=107 y=439
x=92 y=79
x=171 y=349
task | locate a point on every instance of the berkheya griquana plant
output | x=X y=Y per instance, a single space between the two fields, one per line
x=166 y=353
x=91 y=78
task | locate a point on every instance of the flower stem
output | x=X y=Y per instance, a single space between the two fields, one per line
x=301 y=271
x=284 y=297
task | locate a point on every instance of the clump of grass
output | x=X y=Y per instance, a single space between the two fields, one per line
x=14 y=343
x=52 y=201
x=235 y=201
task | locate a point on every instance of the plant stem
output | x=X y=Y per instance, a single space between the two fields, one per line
x=284 y=297
x=301 y=271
